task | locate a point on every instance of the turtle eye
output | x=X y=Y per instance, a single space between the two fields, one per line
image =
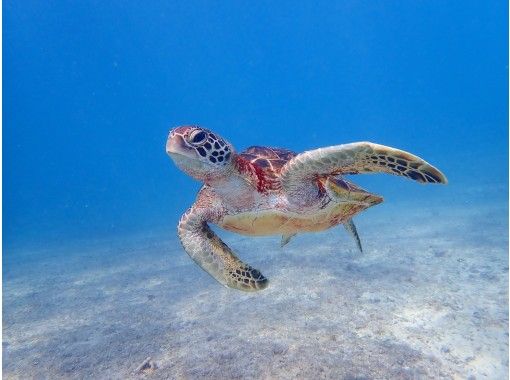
x=197 y=137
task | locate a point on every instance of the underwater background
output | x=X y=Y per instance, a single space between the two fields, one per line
x=94 y=278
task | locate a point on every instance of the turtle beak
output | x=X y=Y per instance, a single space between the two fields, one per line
x=175 y=145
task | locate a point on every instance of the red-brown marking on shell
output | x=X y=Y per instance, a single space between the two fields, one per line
x=263 y=165
x=254 y=173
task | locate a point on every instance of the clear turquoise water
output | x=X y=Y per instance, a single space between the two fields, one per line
x=91 y=200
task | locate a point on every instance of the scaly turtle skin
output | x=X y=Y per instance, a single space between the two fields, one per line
x=266 y=191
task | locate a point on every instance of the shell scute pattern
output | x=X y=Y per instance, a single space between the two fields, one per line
x=265 y=164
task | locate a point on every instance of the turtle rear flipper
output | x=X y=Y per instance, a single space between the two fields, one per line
x=214 y=256
x=343 y=191
x=351 y=229
x=299 y=175
x=286 y=238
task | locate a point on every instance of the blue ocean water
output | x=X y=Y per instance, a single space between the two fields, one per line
x=92 y=88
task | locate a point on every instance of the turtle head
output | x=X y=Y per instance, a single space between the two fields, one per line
x=199 y=152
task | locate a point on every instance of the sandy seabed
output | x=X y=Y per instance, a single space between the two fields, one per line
x=428 y=299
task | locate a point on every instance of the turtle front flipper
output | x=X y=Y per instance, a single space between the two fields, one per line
x=299 y=175
x=214 y=256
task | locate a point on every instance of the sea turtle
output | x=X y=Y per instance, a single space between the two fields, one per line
x=266 y=191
